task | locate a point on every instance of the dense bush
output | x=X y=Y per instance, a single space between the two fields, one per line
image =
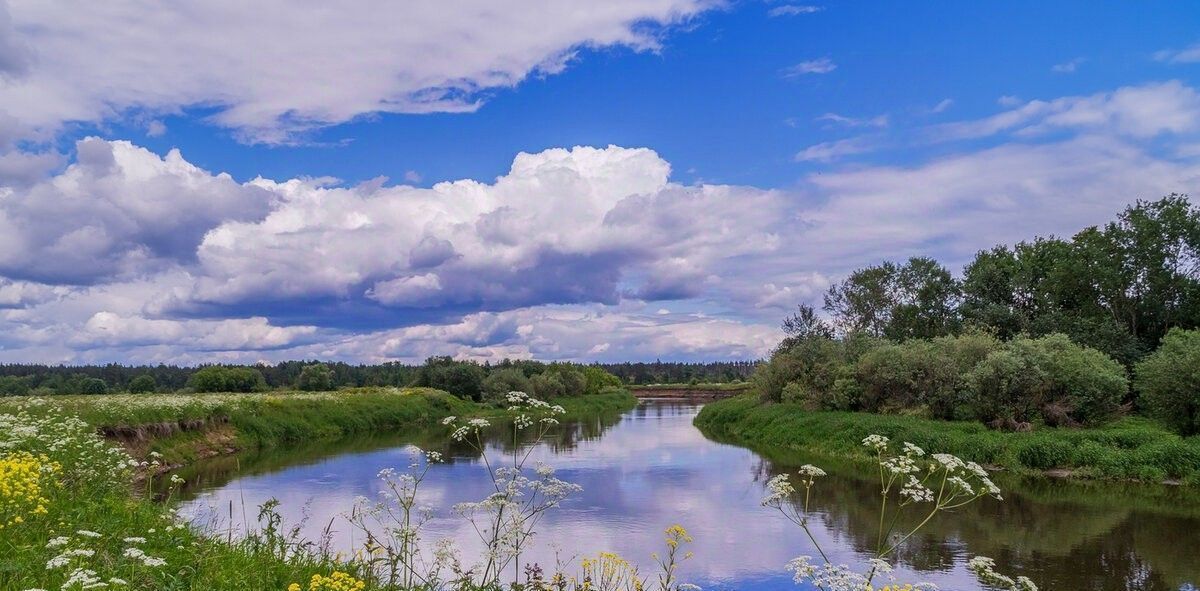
x=504 y=380
x=93 y=386
x=218 y=378
x=13 y=386
x=143 y=384
x=317 y=377
x=1169 y=381
x=547 y=385
x=968 y=377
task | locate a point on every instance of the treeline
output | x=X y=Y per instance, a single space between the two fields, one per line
x=1044 y=332
x=465 y=379
x=660 y=372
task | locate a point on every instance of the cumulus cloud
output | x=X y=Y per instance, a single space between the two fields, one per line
x=126 y=255
x=118 y=210
x=244 y=60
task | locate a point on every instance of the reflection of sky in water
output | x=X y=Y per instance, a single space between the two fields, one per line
x=651 y=470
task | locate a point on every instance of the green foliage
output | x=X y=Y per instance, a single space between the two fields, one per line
x=547 y=385
x=317 y=377
x=219 y=378
x=598 y=380
x=13 y=386
x=1169 y=381
x=142 y=384
x=504 y=380
x=460 y=378
x=915 y=300
x=93 y=386
x=1129 y=448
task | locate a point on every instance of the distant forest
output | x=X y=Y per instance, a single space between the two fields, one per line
x=21 y=379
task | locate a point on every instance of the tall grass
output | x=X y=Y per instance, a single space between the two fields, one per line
x=1130 y=448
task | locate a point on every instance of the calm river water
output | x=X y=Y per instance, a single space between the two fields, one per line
x=649 y=468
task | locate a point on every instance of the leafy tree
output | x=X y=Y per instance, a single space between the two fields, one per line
x=598 y=380
x=142 y=384
x=916 y=300
x=317 y=377
x=805 y=323
x=460 y=378
x=1168 y=381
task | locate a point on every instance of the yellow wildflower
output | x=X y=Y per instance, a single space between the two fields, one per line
x=24 y=479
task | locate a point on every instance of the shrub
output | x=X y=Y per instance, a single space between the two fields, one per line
x=502 y=381
x=913 y=375
x=573 y=381
x=13 y=386
x=143 y=384
x=317 y=377
x=1168 y=381
x=93 y=386
x=218 y=378
x=599 y=380
x=1005 y=388
x=547 y=385
x=1084 y=385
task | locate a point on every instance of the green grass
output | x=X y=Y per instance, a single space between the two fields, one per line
x=94 y=490
x=1130 y=448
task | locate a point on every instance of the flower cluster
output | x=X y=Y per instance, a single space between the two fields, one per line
x=985 y=568
x=24 y=479
x=338 y=581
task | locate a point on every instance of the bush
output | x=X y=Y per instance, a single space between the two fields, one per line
x=915 y=376
x=1085 y=386
x=1168 y=381
x=93 y=386
x=218 y=378
x=547 y=385
x=599 y=380
x=317 y=377
x=502 y=381
x=143 y=384
x=573 y=381
x=1005 y=388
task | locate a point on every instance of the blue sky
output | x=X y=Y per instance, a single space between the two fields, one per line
x=733 y=159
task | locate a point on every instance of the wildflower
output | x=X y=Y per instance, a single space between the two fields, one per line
x=876 y=442
x=88 y=533
x=778 y=488
x=24 y=479
x=134 y=540
x=811 y=471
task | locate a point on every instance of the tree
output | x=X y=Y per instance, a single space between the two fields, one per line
x=916 y=300
x=460 y=378
x=1168 y=381
x=805 y=323
x=142 y=384
x=316 y=377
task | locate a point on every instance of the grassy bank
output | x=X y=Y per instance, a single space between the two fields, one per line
x=70 y=518
x=185 y=427
x=1129 y=448
x=714 y=387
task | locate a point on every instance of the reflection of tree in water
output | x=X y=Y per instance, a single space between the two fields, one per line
x=1058 y=544
x=220 y=470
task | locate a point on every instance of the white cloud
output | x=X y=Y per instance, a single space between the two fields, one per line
x=942 y=106
x=118 y=210
x=125 y=255
x=822 y=65
x=793 y=10
x=829 y=151
x=1138 y=111
x=92 y=61
x=1068 y=67
x=876 y=121
x=1188 y=55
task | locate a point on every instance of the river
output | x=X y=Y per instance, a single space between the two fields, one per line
x=649 y=468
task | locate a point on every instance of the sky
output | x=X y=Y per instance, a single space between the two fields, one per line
x=374 y=181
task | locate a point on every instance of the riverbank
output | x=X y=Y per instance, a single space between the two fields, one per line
x=74 y=519
x=1127 y=449
x=690 y=391
x=183 y=428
